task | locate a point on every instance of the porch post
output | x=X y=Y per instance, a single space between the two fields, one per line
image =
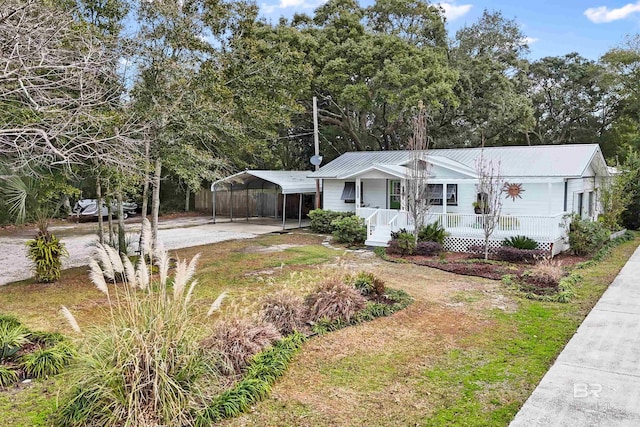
x=247 y=201
x=231 y=203
x=300 y=212
x=549 y=193
x=284 y=209
x=403 y=194
x=213 y=202
x=358 y=195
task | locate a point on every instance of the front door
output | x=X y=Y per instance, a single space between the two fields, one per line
x=395 y=194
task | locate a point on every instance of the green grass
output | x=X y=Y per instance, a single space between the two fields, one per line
x=431 y=364
x=488 y=382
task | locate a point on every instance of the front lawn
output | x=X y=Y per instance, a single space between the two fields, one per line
x=468 y=351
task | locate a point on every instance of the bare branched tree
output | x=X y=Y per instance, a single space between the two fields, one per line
x=489 y=188
x=58 y=91
x=416 y=186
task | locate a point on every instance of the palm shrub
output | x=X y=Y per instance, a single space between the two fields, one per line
x=238 y=339
x=520 y=242
x=285 y=310
x=433 y=232
x=46 y=252
x=146 y=367
x=334 y=300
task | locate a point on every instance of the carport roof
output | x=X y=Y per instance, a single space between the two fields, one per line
x=291 y=182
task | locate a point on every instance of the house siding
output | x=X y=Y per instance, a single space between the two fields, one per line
x=331 y=193
x=374 y=193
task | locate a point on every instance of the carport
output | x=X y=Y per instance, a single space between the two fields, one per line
x=286 y=183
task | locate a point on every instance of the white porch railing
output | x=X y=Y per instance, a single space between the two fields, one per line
x=538 y=227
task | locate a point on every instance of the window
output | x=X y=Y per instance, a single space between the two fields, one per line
x=349 y=192
x=580 y=197
x=395 y=194
x=434 y=193
x=452 y=194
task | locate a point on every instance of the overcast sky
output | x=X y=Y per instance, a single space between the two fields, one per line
x=589 y=27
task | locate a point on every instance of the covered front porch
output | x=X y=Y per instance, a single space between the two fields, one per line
x=465 y=230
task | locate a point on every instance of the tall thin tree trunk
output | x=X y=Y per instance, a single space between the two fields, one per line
x=122 y=244
x=155 y=202
x=145 y=188
x=186 y=200
x=99 y=206
x=110 y=219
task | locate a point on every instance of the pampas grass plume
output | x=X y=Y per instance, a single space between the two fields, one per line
x=103 y=257
x=216 y=304
x=97 y=277
x=130 y=272
x=70 y=319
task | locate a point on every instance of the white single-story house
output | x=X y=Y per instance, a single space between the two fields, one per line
x=549 y=181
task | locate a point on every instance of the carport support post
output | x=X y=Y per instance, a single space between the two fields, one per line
x=300 y=212
x=213 y=202
x=231 y=203
x=247 y=204
x=284 y=208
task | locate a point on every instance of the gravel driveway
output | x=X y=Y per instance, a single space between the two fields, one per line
x=174 y=234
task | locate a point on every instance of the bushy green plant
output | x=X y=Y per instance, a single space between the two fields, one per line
x=366 y=283
x=146 y=366
x=321 y=219
x=403 y=245
x=8 y=376
x=395 y=234
x=350 y=230
x=47 y=361
x=520 y=242
x=12 y=338
x=238 y=339
x=285 y=310
x=586 y=237
x=46 y=252
x=433 y=232
x=333 y=300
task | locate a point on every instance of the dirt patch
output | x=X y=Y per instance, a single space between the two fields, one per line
x=270 y=249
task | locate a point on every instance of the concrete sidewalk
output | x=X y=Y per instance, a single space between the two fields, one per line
x=596 y=379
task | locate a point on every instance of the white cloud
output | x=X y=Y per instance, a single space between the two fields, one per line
x=453 y=11
x=602 y=14
x=291 y=4
x=529 y=40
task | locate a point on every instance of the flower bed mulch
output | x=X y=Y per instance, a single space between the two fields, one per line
x=470 y=265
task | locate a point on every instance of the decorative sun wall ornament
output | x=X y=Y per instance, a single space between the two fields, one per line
x=513 y=190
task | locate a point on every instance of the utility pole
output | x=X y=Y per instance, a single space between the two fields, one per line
x=316 y=144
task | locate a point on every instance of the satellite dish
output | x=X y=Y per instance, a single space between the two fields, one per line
x=316 y=160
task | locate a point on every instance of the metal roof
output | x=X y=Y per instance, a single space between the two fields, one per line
x=564 y=161
x=291 y=182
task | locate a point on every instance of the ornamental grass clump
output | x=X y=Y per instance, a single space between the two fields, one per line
x=334 y=300
x=285 y=310
x=146 y=366
x=238 y=339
